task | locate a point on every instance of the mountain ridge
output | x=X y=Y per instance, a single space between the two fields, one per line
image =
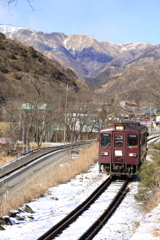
x=86 y=55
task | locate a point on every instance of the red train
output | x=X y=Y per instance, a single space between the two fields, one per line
x=122 y=146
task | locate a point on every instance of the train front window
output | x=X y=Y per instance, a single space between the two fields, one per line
x=118 y=141
x=105 y=139
x=132 y=140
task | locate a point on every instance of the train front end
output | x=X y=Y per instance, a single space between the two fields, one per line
x=119 y=149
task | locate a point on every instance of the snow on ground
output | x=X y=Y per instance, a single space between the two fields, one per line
x=149 y=228
x=127 y=223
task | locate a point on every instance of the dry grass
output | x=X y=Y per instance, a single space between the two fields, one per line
x=5 y=206
x=154 y=200
x=5 y=127
x=4 y=158
x=157 y=233
x=87 y=157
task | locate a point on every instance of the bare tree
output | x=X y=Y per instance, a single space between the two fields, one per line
x=16 y=1
x=153 y=78
x=31 y=116
x=42 y=110
x=11 y=116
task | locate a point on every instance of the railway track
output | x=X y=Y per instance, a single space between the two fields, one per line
x=18 y=175
x=101 y=221
x=153 y=135
x=17 y=164
x=56 y=230
x=153 y=139
x=108 y=213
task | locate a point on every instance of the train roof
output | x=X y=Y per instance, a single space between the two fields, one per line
x=129 y=125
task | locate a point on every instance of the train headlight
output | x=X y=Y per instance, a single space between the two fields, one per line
x=120 y=127
x=132 y=154
x=104 y=153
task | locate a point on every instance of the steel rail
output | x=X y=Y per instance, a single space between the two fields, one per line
x=101 y=221
x=9 y=168
x=153 y=137
x=95 y=228
x=65 y=222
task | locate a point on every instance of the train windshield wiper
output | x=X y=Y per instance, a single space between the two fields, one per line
x=107 y=144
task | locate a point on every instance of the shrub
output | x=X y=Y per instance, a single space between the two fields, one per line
x=155 y=146
x=143 y=195
x=32 y=52
x=15 y=67
x=1 y=47
x=3 y=69
x=150 y=179
x=12 y=56
x=16 y=76
x=22 y=53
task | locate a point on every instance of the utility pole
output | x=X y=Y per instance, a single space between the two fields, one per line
x=150 y=118
x=65 y=114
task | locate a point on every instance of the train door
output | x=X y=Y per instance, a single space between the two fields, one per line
x=119 y=146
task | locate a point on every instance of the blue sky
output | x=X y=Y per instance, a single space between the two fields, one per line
x=117 y=21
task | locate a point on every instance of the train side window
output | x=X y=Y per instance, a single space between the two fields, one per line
x=105 y=139
x=132 y=140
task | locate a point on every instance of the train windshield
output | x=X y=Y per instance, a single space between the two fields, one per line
x=132 y=140
x=105 y=139
x=118 y=141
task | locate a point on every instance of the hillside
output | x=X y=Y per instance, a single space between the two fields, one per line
x=20 y=65
x=126 y=61
x=133 y=83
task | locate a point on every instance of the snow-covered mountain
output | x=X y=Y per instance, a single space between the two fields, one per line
x=84 y=54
